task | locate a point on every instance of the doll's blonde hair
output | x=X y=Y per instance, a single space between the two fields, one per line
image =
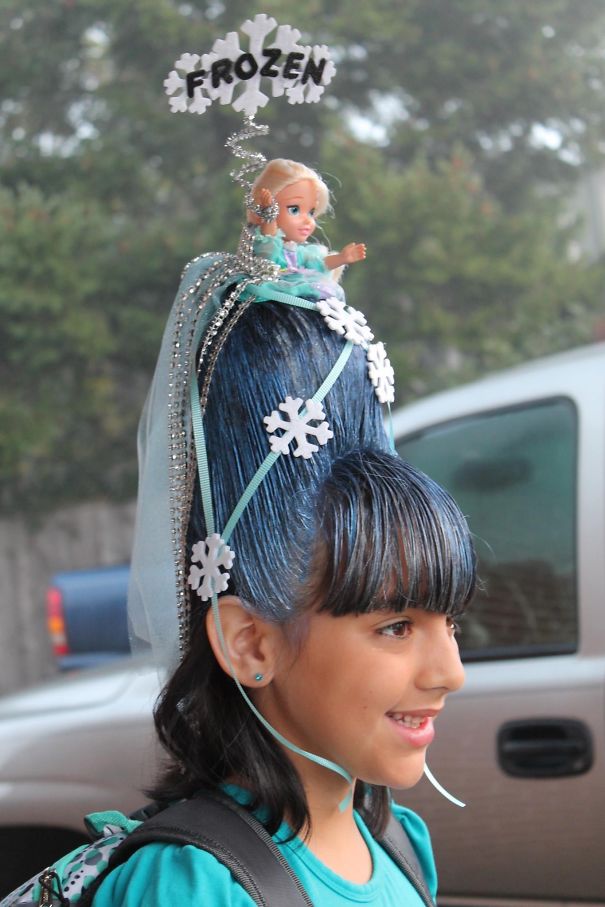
x=281 y=172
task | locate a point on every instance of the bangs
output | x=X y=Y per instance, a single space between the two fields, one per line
x=390 y=538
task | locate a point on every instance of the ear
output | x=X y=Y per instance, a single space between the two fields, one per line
x=250 y=642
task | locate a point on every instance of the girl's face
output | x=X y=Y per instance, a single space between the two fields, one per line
x=364 y=690
x=297 y=205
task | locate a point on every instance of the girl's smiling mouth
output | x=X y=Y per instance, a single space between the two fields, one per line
x=416 y=728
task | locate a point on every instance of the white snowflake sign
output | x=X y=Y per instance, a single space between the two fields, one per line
x=211 y=555
x=345 y=320
x=381 y=372
x=233 y=75
x=297 y=427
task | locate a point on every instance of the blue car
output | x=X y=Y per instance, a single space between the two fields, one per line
x=86 y=615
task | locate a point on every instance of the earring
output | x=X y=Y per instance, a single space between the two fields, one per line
x=258 y=677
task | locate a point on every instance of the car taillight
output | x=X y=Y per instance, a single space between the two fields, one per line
x=55 y=621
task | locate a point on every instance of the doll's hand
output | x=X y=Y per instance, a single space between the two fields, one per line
x=353 y=251
x=264 y=199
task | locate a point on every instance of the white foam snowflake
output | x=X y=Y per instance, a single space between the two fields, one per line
x=226 y=48
x=381 y=372
x=308 y=71
x=286 y=38
x=176 y=84
x=310 y=92
x=345 y=320
x=211 y=554
x=297 y=427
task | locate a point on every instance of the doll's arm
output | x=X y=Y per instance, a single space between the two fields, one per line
x=353 y=251
x=264 y=198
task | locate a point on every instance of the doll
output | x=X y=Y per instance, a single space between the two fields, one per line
x=302 y=196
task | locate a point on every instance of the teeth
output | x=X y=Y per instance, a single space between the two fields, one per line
x=409 y=721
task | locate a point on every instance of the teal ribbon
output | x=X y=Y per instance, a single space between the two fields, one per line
x=391 y=432
x=201 y=454
x=271 y=295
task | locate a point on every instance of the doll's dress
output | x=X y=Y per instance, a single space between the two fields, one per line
x=302 y=267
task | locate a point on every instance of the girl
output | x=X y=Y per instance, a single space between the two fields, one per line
x=318 y=647
x=301 y=196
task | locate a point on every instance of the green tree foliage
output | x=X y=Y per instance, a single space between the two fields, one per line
x=451 y=137
x=470 y=286
x=79 y=293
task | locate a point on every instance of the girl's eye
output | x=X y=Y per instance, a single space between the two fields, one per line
x=312 y=212
x=293 y=209
x=399 y=630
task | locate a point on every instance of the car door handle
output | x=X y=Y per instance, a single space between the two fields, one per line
x=545 y=748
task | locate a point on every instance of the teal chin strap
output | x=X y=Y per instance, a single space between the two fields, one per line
x=319 y=760
x=428 y=774
x=256 y=480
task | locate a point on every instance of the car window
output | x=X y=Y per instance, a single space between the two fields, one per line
x=513 y=473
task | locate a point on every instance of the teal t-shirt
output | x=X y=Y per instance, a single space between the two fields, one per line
x=160 y=875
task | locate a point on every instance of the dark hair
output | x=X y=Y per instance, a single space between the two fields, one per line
x=390 y=536
x=346 y=531
x=273 y=352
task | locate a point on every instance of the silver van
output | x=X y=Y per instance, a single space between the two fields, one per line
x=523 y=453
x=523 y=744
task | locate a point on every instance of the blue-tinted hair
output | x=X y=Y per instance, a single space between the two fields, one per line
x=354 y=514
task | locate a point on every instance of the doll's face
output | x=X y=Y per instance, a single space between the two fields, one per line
x=297 y=205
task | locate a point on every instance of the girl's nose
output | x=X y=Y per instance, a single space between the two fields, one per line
x=441 y=666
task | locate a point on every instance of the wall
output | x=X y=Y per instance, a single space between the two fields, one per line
x=89 y=535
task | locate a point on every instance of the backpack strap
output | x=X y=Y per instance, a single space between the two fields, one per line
x=237 y=839
x=218 y=825
x=397 y=844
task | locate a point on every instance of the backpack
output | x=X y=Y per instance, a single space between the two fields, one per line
x=210 y=821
